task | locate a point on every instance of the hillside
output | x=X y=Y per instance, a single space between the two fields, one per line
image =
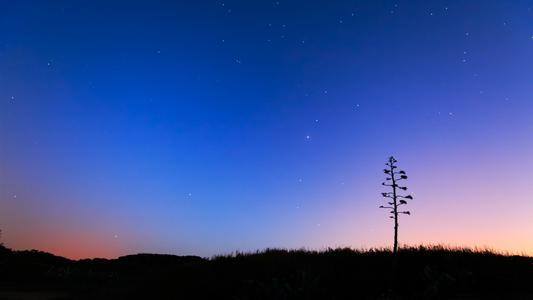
x=272 y=274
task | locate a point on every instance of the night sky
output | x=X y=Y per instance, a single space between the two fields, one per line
x=206 y=127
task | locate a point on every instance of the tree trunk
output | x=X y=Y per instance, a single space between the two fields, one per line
x=395 y=249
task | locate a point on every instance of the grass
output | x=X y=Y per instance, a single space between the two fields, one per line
x=425 y=272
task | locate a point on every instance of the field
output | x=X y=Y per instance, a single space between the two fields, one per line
x=418 y=273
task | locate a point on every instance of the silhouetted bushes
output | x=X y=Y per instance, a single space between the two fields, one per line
x=421 y=273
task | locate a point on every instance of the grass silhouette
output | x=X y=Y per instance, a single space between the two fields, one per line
x=434 y=272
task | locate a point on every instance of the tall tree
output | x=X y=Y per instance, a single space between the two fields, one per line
x=394 y=175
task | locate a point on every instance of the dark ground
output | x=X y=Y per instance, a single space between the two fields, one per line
x=422 y=273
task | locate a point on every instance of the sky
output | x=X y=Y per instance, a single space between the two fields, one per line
x=207 y=127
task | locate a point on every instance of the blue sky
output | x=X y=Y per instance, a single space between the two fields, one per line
x=216 y=126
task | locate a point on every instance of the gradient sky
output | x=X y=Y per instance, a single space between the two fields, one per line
x=205 y=127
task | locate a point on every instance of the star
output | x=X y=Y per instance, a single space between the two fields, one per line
x=307 y=137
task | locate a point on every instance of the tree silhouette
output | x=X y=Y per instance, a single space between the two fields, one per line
x=396 y=200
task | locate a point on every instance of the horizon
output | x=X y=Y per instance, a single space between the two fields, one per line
x=402 y=248
x=220 y=126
